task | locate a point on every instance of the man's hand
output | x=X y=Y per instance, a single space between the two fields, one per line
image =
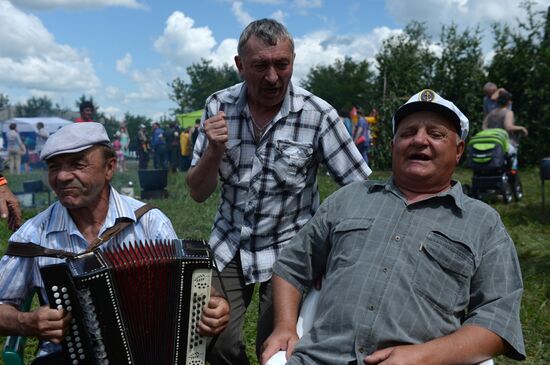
x=280 y=339
x=9 y=208
x=46 y=323
x=216 y=131
x=215 y=315
x=398 y=355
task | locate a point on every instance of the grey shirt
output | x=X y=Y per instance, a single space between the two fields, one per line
x=399 y=273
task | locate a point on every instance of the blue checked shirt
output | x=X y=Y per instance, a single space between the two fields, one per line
x=269 y=190
x=54 y=228
x=398 y=273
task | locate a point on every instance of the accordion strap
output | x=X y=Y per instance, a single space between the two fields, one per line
x=33 y=250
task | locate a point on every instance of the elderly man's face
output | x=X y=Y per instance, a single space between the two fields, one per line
x=267 y=70
x=425 y=152
x=79 y=178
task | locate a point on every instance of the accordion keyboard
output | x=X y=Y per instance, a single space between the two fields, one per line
x=200 y=294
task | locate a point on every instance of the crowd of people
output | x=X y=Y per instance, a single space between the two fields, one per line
x=404 y=276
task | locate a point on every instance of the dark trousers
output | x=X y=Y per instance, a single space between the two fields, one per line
x=160 y=157
x=56 y=358
x=143 y=159
x=230 y=347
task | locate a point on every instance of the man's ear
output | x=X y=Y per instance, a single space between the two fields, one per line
x=460 y=150
x=239 y=63
x=110 y=168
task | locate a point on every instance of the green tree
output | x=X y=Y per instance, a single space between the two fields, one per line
x=205 y=80
x=405 y=66
x=459 y=71
x=4 y=100
x=342 y=84
x=35 y=107
x=521 y=64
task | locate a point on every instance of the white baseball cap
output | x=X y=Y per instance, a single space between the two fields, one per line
x=429 y=100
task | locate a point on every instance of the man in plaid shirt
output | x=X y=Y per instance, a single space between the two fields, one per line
x=265 y=138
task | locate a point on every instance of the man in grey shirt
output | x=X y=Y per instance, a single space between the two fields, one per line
x=415 y=271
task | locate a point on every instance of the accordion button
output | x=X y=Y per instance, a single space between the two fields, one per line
x=75 y=362
x=73 y=356
x=63 y=289
x=56 y=295
x=58 y=301
x=55 y=288
x=75 y=327
x=69 y=308
x=82 y=357
x=65 y=296
x=59 y=307
x=71 y=349
x=77 y=339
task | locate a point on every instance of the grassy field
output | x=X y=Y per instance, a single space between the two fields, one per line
x=526 y=222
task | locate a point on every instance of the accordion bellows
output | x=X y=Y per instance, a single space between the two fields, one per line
x=136 y=303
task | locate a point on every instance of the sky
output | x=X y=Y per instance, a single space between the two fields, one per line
x=124 y=53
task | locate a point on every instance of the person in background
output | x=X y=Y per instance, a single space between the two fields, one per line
x=143 y=147
x=120 y=158
x=265 y=139
x=503 y=117
x=42 y=135
x=87 y=111
x=185 y=146
x=10 y=209
x=81 y=165
x=344 y=117
x=491 y=93
x=16 y=149
x=415 y=271
x=158 y=143
x=361 y=135
x=124 y=140
x=173 y=143
x=195 y=133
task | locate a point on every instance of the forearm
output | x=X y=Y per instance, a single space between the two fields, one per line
x=468 y=345
x=203 y=178
x=286 y=302
x=12 y=321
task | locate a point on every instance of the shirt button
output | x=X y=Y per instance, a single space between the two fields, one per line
x=371 y=307
x=385 y=269
x=397 y=238
x=361 y=349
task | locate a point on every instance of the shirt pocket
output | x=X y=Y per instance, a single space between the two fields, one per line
x=229 y=166
x=291 y=163
x=443 y=272
x=348 y=239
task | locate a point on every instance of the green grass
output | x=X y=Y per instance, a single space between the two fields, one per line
x=526 y=222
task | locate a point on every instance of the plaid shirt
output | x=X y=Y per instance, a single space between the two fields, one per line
x=269 y=190
x=54 y=228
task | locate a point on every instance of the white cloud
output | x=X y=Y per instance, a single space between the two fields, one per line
x=279 y=15
x=77 y=4
x=242 y=16
x=182 y=43
x=323 y=48
x=225 y=53
x=32 y=59
x=461 y=12
x=123 y=65
x=308 y=4
x=111 y=111
x=151 y=86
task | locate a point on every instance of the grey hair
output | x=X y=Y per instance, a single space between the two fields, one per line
x=268 y=30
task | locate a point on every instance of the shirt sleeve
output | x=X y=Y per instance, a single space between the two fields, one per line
x=338 y=151
x=304 y=258
x=496 y=291
x=159 y=226
x=17 y=278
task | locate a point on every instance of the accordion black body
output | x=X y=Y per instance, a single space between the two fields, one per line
x=134 y=304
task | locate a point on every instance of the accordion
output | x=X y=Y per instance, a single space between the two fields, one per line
x=135 y=303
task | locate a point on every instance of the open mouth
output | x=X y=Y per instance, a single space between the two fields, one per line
x=419 y=157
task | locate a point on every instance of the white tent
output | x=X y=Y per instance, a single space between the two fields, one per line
x=28 y=125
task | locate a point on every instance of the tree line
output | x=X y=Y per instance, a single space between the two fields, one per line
x=406 y=63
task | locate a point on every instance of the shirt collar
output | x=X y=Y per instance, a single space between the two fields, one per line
x=118 y=209
x=455 y=192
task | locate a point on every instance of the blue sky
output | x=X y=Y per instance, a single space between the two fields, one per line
x=124 y=52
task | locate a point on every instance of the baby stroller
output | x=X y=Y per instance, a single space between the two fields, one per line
x=488 y=157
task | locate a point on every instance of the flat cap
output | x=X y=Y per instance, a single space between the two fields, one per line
x=429 y=100
x=74 y=138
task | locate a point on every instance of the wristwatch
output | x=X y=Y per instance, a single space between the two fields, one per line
x=3 y=180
